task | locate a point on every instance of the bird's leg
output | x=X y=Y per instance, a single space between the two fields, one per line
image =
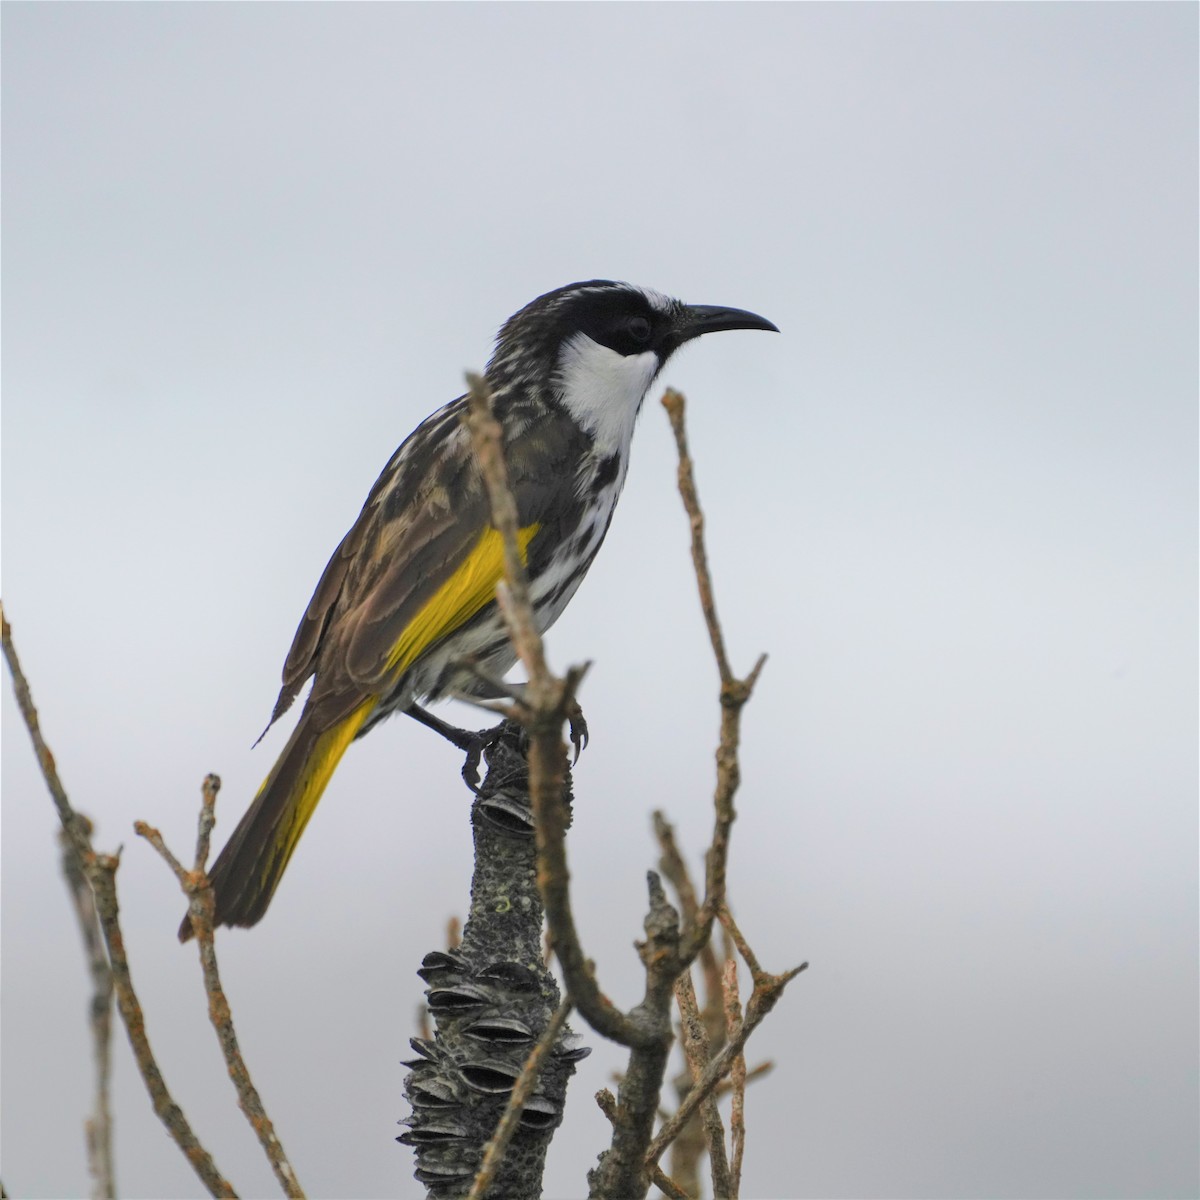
x=473 y=742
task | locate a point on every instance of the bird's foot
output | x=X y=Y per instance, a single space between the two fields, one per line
x=481 y=740
x=473 y=742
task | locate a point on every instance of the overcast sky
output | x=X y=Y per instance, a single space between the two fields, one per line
x=248 y=248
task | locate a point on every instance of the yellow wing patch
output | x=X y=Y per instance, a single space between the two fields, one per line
x=471 y=587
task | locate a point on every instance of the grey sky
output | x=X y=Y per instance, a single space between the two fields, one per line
x=247 y=248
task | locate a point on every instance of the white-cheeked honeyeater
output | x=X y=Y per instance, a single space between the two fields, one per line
x=409 y=594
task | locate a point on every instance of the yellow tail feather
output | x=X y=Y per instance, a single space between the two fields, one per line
x=249 y=868
x=314 y=778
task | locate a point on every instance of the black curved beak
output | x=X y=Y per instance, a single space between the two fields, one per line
x=699 y=319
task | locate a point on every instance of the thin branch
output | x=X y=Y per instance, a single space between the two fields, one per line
x=758 y=1071
x=104 y=884
x=607 y=1103
x=689 y=1148
x=622 y=1169
x=98 y=1128
x=675 y=869
x=674 y=403
x=494 y=1151
x=734 y=692
x=66 y=814
x=737 y=1078
x=767 y=991
x=208 y=818
x=743 y=947
x=101 y=872
x=666 y=1184
x=487 y=441
x=696 y=1047
x=196 y=886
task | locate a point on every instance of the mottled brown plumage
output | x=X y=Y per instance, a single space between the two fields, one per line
x=410 y=591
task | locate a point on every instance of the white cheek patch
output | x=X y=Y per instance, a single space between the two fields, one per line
x=604 y=390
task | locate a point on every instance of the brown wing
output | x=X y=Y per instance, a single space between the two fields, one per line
x=425 y=514
x=426 y=543
x=379 y=529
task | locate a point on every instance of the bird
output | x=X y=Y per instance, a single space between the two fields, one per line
x=407 y=601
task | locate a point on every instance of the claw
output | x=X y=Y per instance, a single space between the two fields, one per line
x=579 y=732
x=485 y=739
x=470 y=767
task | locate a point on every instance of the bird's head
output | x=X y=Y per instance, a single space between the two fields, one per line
x=596 y=347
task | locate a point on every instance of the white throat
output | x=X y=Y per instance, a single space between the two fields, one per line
x=604 y=390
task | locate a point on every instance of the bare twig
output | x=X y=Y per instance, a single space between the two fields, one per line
x=758 y=1071
x=487 y=440
x=607 y=1103
x=101 y=870
x=675 y=869
x=767 y=990
x=696 y=1047
x=104 y=883
x=667 y=1185
x=208 y=818
x=737 y=1078
x=66 y=814
x=98 y=1128
x=743 y=947
x=622 y=1170
x=494 y=1151
x=734 y=692
x=689 y=1148
x=674 y=403
x=198 y=889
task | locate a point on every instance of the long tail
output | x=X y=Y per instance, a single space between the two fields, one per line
x=249 y=868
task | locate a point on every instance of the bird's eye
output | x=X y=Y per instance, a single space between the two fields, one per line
x=639 y=329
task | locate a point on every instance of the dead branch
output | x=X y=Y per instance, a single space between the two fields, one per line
x=198 y=890
x=101 y=871
x=766 y=993
x=667 y=1185
x=733 y=695
x=699 y=1055
x=689 y=1148
x=737 y=1078
x=98 y=1128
